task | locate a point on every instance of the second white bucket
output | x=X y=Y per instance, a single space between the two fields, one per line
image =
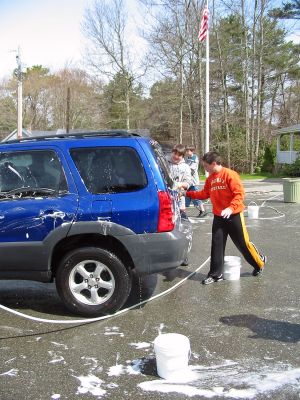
x=232 y=268
x=172 y=352
x=253 y=210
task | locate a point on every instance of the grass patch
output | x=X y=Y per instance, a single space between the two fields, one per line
x=262 y=175
x=256 y=176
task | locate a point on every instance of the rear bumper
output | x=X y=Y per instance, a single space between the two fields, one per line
x=156 y=252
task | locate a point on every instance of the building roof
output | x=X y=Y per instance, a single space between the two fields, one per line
x=289 y=129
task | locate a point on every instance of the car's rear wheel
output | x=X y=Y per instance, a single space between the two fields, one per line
x=92 y=281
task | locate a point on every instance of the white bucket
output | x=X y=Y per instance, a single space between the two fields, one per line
x=172 y=352
x=253 y=210
x=232 y=268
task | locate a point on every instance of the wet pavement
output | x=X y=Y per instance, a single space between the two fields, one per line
x=244 y=334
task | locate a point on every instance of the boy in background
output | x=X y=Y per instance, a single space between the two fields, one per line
x=192 y=161
x=180 y=173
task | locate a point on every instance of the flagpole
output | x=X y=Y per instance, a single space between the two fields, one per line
x=204 y=34
x=207 y=92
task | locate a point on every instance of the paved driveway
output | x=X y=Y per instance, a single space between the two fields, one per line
x=244 y=334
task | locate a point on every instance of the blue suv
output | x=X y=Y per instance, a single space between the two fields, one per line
x=86 y=210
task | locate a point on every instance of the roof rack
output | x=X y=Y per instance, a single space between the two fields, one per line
x=77 y=135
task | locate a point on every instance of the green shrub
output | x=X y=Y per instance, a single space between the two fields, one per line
x=292 y=169
x=268 y=159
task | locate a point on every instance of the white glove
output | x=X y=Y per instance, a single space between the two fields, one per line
x=181 y=193
x=180 y=185
x=226 y=212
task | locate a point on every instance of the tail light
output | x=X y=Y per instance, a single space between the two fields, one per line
x=166 y=215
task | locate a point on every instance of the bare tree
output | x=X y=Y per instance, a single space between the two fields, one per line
x=245 y=63
x=83 y=105
x=110 y=53
x=225 y=94
x=178 y=54
x=260 y=81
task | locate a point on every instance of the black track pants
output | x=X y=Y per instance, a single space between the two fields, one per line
x=235 y=227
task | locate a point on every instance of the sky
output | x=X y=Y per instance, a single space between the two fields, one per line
x=47 y=32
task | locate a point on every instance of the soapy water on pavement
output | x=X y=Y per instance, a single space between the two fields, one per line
x=245 y=379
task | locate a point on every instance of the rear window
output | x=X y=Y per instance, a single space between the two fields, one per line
x=162 y=163
x=109 y=169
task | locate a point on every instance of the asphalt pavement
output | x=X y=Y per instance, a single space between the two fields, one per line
x=244 y=334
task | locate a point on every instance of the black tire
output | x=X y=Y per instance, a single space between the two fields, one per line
x=92 y=281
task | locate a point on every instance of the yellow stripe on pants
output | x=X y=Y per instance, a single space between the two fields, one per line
x=252 y=249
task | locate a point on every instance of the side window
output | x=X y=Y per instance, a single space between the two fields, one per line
x=296 y=146
x=32 y=169
x=285 y=142
x=110 y=169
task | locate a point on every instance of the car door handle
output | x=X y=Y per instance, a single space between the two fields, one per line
x=46 y=212
x=52 y=213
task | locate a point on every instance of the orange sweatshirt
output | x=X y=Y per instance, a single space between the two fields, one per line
x=224 y=189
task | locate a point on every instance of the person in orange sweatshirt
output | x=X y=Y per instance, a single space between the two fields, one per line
x=226 y=192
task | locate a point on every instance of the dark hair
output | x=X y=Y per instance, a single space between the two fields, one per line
x=179 y=149
x=191 y=148
x=212 y=156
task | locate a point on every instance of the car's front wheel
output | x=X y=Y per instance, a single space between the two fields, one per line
x=92 y=281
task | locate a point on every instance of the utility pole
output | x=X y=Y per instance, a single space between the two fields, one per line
x=19 y=76
x=68 y=110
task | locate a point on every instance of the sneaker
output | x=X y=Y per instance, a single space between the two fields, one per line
x=185 y=262
x=210 y=279
x=258 y=271
x=202 y=214
x=183 y=215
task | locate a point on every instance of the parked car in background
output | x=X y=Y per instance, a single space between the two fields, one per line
x=86 y=210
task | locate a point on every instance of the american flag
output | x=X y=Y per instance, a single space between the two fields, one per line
x=204 y=25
